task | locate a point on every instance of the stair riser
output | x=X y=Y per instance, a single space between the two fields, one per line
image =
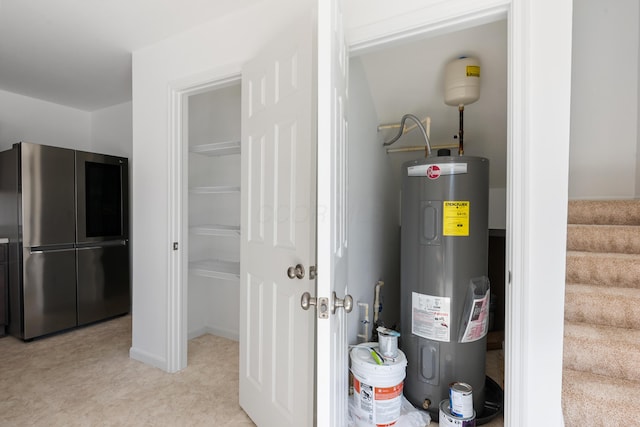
x=589 y=308
x=615 y=360
x=605 y=271
x=591 y=238
x=589 y=402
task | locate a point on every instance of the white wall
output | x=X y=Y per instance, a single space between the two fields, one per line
x=107 y=131
x=374 y=207
x=604 y=100
x=637 y=192
x=31 y=120
x=111 y=130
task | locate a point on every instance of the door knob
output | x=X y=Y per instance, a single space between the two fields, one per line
x=295 y=272
x=346 y=303
x=307 y=301
x=322 y=304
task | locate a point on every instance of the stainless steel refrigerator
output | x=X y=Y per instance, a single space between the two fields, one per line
x=68 y=240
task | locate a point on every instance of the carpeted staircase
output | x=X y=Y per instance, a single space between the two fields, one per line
x=601 y=373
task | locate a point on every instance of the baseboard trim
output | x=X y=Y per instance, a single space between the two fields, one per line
x=148 y=358
x=224 y=333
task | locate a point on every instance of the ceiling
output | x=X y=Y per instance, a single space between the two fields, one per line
x=78 y=52
x=410 y=77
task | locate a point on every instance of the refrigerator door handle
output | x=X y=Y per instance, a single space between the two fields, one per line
x=38 y=250
x=102 y=245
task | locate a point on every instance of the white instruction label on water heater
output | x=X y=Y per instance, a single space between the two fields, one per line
x=431 y=316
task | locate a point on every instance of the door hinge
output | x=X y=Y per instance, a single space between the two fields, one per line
x=175 y=246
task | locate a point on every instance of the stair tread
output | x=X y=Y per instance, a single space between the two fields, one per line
x=591 y=399
x=611 y=333
x=622 y=211
x=607 y=291
x=609 y=227
x=582 y=379
x=623 y=256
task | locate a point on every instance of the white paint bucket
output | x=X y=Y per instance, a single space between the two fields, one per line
x=377 y=388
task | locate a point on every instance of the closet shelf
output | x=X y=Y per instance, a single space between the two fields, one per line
x=216 y=230
x=214 y=268
x=214 y=190
x=225 y=148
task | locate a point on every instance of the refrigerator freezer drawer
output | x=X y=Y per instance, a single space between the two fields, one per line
x=49 y=291
x=103 y=282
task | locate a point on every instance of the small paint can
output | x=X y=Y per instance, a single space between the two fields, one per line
x=388 y=344
x=461 y=400
x=447 y=419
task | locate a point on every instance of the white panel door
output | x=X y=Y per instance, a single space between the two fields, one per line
x=278 y=231
x=331 y=340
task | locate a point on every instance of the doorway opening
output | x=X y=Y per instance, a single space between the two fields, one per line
x=385 y=84
x=205 y=206
x=213 y=203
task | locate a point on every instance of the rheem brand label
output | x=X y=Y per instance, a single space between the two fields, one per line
x=433 y=172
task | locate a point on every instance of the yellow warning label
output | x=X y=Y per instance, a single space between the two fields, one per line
x=455 y=220
x=473 y=71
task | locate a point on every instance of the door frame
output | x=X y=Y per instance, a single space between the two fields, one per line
x=178 y=206
x=524 y=329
